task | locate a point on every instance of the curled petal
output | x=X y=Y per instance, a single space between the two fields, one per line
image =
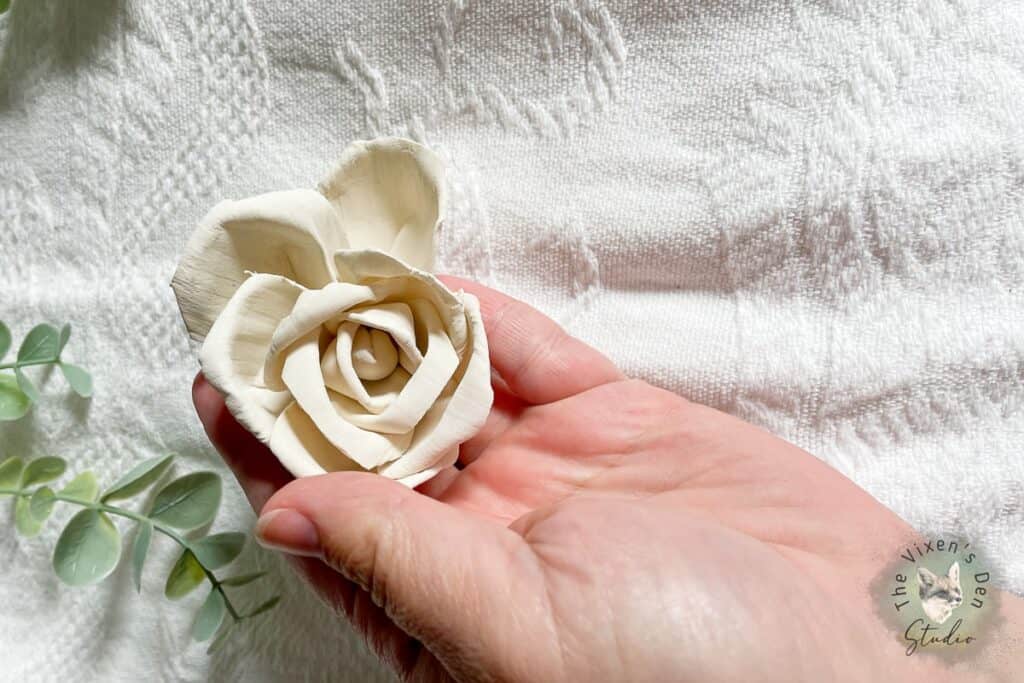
x=302 y=449
x=447 y=460
x=352 y=410
x=389 y=195
x=395 y=319
x=393 y=280
x=301 y=374
x=340 y=374
x=232 y=355
x=373 y=397
x=387 y=389
x=424 y=386
x=279 y=233
x=374 y=355
x=455 y=418
x=312 y=309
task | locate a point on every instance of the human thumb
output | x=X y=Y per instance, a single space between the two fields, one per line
x=454 y=580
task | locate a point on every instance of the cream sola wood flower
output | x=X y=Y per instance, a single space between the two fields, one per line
x=324 y=328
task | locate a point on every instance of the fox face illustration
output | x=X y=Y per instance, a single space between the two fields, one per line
x=940 y=595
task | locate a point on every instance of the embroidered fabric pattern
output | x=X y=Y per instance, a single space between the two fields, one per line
x=808 y=214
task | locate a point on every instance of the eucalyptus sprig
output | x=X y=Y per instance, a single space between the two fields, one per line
x=43 y=345
x=89 y=548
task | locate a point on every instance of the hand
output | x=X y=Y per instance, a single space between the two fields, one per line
x=598 y=528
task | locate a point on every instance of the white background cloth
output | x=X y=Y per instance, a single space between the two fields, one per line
x=810 y=215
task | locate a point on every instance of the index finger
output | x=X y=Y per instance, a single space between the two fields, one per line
x=537 y=359
x=259 y=473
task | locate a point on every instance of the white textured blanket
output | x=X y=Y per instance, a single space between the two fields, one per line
x=807 y=214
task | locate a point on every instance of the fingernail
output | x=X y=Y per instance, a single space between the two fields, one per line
x=288 y=531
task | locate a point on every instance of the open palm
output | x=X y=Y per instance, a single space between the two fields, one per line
x=597 y=528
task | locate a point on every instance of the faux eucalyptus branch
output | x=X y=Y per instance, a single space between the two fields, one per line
x=43 y=345
x=89 y=548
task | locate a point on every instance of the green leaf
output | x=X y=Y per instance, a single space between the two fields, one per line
x=222 y=638
x=13 y=401
x=209 y=617
x=217 y=550
x=139 y=551
x=24 y=521
x=185 y=575
x=5 y=333
x=88 y=549
x=188 y=502
x=138 y=478
x=41 y=503
x=42 y=470
x=78 y=379
x=265 y=607
x=83 y=488
x=65 y=334
x=26 y=385
x=243 y=579
x=41 y=344
x=10 y=472
x=4 y=5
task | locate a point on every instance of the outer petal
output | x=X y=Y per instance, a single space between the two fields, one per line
x=232 y=355
x=447 y=460
x=281 y=233
x=389 y=195
x=453 y=420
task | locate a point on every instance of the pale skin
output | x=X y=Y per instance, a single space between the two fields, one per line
x=597 y=529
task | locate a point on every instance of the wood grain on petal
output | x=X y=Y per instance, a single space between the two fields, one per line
x=453 y=419
x=233 y=353
x=389 y=195
x=288 y=233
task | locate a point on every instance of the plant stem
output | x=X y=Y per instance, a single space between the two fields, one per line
x=25 y=364
x=166 y=531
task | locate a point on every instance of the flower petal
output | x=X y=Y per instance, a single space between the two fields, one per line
x=312 y=309
x=232 y=355
x=389 y=195
x=447 y=460
x=302 y=449
x=393 y=280
x=339 y=373
x=280 y=233
x=455 y=418
x=301 y=374
x=395 y=319
x=425 y=385
x=374 y=355
x=374 y=397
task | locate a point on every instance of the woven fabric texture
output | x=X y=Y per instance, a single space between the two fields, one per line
x=808 y=214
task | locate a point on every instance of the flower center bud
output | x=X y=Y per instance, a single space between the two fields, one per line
x=374 y=355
